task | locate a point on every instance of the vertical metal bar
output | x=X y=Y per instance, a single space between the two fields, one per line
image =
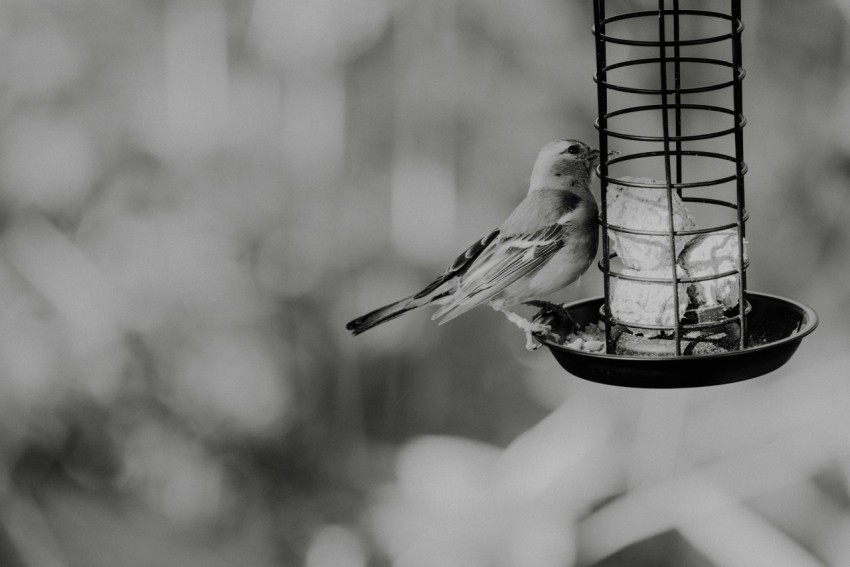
x=677 y=81
x=737 y=89
x=602 y=106
x=665 y=121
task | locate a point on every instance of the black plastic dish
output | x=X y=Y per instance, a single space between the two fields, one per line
x=775 y=327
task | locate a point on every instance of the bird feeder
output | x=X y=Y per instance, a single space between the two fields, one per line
x=676 y=311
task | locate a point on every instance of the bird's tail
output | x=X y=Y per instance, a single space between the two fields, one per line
x=436 y=293
x=451 y=310
x=382 y=315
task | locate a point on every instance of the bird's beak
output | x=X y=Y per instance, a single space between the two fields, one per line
x=613 y=153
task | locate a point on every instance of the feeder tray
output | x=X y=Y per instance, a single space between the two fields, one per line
x=669 y=93
x=776 y=326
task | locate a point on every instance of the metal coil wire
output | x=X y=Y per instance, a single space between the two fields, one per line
x=669 y=103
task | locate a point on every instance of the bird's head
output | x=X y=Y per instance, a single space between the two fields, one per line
x=564 y=163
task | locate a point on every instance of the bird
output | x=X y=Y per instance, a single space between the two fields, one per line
x=545 y=244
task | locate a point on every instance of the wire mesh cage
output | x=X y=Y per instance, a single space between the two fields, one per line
x=676 y=310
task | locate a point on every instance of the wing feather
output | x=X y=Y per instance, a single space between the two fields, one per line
x=460 y=264
x=505 y=261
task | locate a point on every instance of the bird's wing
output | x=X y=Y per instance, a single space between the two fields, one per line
x=460 y=265
x=503 y=262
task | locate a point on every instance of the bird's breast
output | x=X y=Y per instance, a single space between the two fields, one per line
x=566 y=265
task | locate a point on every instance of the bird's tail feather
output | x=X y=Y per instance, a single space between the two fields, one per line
x=452 y=310
x=382 y=315
x=437 y=293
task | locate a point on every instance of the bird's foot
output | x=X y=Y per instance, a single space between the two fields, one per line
x=557 y=318
x=532 y=329
x=534 y=333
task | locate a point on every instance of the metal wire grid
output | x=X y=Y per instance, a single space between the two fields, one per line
x=673 y=144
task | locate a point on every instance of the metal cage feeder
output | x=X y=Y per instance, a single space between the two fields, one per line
x=680 y=68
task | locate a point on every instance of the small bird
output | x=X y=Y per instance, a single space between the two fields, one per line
x=545 y=244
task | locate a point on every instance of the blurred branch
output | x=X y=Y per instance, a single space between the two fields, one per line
x=713 y=494
x=704 y=511
x=735 y=536
x=658 y=436
x=66 y=277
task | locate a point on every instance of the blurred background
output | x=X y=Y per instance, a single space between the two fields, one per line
x=196 y=195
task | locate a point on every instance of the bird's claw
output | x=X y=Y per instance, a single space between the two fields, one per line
x=533 y=329
x=535 y=333
x=556 y=318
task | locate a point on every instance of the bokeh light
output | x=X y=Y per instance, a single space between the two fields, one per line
x=196 y=195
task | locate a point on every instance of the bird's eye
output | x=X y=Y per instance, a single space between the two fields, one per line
x=573 y=149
